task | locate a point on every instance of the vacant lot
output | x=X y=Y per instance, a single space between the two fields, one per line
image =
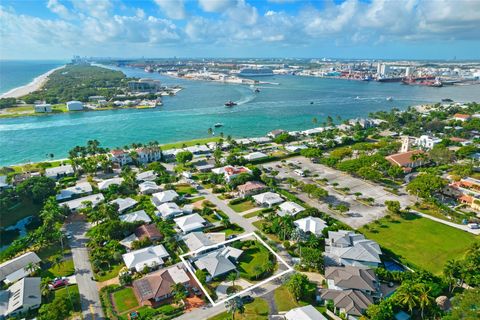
x=242 y=206
x=420 y=241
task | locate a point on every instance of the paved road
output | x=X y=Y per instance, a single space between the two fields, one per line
x=90 y=300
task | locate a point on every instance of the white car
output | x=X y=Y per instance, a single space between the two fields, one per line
x=473 y=226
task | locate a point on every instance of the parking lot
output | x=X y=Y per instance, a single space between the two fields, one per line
x=359 y=213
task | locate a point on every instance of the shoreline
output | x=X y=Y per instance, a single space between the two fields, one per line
x=36 y=84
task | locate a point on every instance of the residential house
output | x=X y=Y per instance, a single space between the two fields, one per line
x=16 y=268
x=230 y=172
x=289 y=208
x=260 y=140
x=128 y=241
x=59 y=172
x=350 y=302
x=353 y=278
x=152 y=257
x=146 y=155
x=164 y=196
x=427 y=142
x=295 y=148
x=146 y=176
x=310 y=224
x=79 y=189
x=105 y=184
x=275 y=133
x=250 y=188
x=80 y=203
x=364 y=123
x=218 y=262
x=148 y=231
x=407 y=160
x=124 y=203
x=350 y=249
x=267 y=199
x=156 y=287
x=137 y=216
x=196 y=240
x=255 y=156
x=461 y=117
x=148 y=187
x=120 y=157
x=42 y=108
x=169 y=210
x=307 y=312
x=466 y=190
x=23 y=296
x=192 y=222
x=74 y=105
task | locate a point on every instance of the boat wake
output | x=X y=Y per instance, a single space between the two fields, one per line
x=246 y=99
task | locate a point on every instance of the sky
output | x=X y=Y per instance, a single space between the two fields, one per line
x=365 y=29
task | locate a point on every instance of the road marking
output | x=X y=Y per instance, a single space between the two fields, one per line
x=92 y=311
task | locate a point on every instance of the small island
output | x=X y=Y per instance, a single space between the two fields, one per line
x=85 y=87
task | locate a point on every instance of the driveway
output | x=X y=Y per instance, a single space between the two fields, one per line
x=221 y=290
x=89 y=297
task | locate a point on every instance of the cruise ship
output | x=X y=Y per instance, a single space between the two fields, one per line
x=255 y=72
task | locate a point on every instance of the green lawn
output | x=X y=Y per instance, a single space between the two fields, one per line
x=251 y=258
x=257 y=310
x=72 y=292
x=124 y=300
x=185 y=188
x=189 y=143
x=285 y=301
x=64 y=269
x=242 y=206
x=110 y=274
x=420 y=241
x=253 y=214
x=17 y=212
x=233 y=229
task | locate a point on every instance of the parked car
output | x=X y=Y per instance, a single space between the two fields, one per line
x=58 y=283
x=247 y=299
x=230 y=237
x=474 y=226
x=196 y=291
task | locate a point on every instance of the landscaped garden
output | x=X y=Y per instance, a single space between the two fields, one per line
x=420 y=241
x=185 y=188
x=285 y=301
x=257 y=310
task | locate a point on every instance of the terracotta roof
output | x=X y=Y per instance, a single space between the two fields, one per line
x=232 y=170
x=117 y=152
x=461 y=116
x=402 y=159
x=466 y=199
x=149 y=231
x=456 y=139
x=251 y=185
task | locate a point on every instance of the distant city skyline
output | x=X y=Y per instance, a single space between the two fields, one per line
x=376 y=29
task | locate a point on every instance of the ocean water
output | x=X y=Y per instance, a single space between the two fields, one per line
x=16 y=73
x=199 y=106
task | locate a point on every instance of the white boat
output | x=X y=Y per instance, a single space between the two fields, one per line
x=389 y=98
x=218 y=125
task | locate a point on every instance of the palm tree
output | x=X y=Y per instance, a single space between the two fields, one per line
x=234 y=305
x=407 y=295
x=232 y=276
x=178 y=291
x=226 y=223
x=424 y=297
x=31 y=267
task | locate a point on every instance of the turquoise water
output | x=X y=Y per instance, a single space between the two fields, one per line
x=14 y=74
x=200 y=105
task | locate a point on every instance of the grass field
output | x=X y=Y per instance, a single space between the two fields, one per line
x=251 y=259
x=257 y=310
x=64 y=269
x=110 y=274
x=189 y=143
x=285 y=301
x=420 y=241
x=124 y=300
x=252 y=214
x=242 y=206
x=185 y=188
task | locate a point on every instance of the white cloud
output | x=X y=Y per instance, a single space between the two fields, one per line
x=216 y=5
x=56 y=7
x=174 y=9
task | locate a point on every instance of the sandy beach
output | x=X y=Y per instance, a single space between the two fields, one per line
x=35 y=85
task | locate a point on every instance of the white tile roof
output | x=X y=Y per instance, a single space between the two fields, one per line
x=164 y=196
x=290 y=208
x=13 y=269
x=304 y=313
x=78 y=189
x=124 y=203
x=190 y=222
x=76 y=204
x=136 y=216
x=104 y=184
x=269 y=198
x=149 y=256
x=311 y=224
x=169 y=209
